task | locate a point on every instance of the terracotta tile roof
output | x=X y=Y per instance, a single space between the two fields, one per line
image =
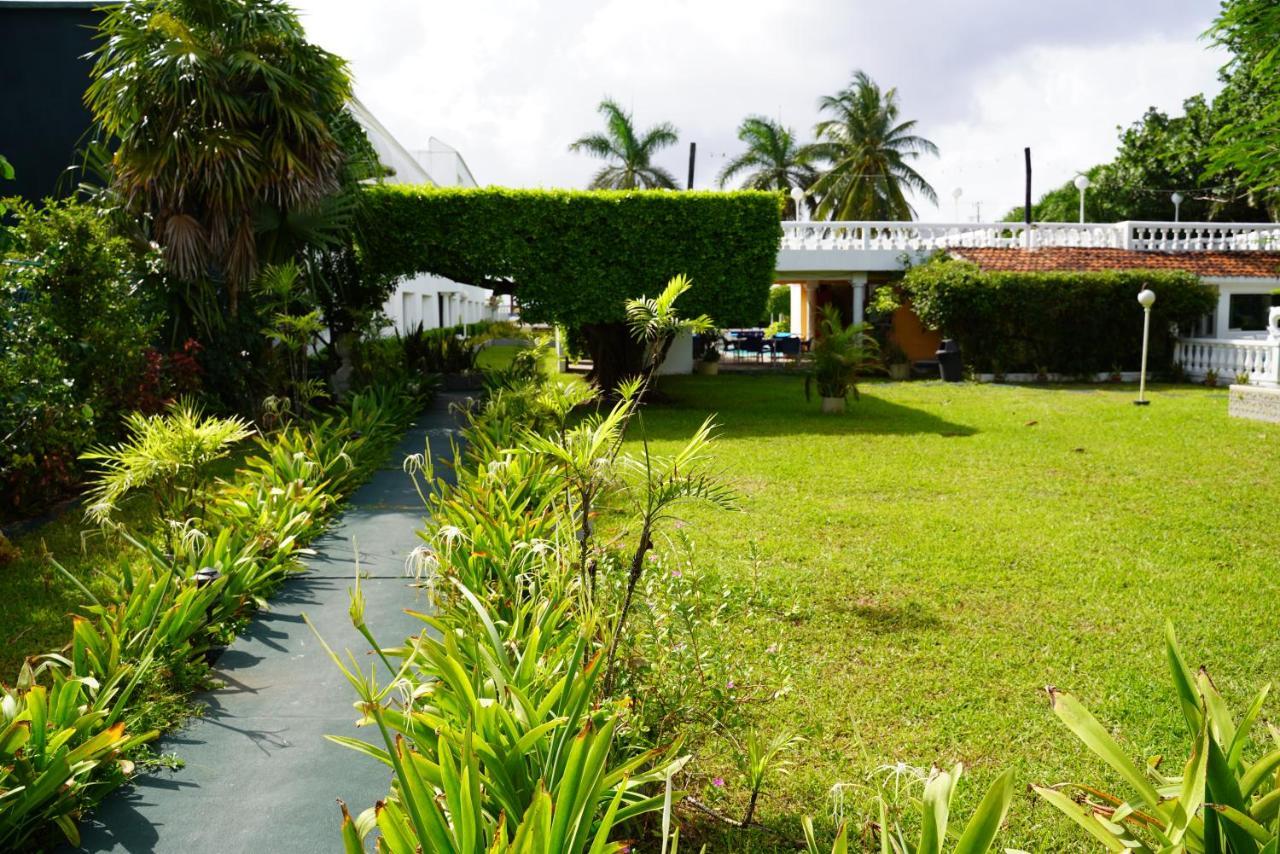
x=1254 y=265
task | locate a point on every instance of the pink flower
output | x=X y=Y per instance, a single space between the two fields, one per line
x=675 y=573
x=729 y=684
x=718 y=782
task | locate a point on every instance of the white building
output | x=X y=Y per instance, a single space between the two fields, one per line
x=429 y=301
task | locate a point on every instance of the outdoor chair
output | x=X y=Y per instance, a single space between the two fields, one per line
x=786 y=346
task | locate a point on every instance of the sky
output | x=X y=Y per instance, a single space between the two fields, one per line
x=510 y=83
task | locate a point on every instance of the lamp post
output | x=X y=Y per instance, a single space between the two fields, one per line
x=797 y=196
x=1177 y=203
x=1146 y=298
x=1082 y=184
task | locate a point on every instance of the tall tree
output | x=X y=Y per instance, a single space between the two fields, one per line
x=774 y=160
x=1249 y=140
x=630 y=153
x=221 y=110
x=868 y=151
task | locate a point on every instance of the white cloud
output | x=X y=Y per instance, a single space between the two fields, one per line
x=510 y=83
x=1066 y=104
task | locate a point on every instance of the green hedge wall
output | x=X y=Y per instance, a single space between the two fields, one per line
x=575 y=257
x=1064 y=322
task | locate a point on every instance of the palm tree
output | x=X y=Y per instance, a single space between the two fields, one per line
x=868 y=151
x=632 y=153
x=774 y=160
x=221 y=110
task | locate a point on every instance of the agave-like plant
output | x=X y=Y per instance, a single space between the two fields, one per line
x=1221 y=802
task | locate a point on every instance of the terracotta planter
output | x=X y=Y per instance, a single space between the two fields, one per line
x=833 y=405
x=900 y=371
x=709 y=369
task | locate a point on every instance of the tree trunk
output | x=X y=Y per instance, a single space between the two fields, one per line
x=615 y=355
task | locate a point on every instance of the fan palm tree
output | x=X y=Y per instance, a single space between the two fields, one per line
x=220 y=110
x=631 y=152
x=774 y=159
x=868 y=150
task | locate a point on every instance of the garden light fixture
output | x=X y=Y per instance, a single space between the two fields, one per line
x=1177 y=203
x=797 y=196
x=1146 y=298
x=1082 y=184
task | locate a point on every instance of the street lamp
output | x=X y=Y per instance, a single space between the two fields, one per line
x=1082 y=184
x=797 y=196
x=1146 y=299
x=1177 y=203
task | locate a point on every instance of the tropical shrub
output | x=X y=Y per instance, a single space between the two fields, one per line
x=75 y=327
x=1065 y=322
x=169 y=455
x=839 y=355
x=1225 y=799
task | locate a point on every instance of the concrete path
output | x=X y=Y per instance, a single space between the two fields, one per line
x=259 y=775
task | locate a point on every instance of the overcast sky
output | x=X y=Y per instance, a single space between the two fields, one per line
x=510 y=83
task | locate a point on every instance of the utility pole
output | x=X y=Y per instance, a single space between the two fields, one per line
x=693 y=150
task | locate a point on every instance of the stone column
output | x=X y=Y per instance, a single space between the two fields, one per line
x=859 y=282
x=808 y=325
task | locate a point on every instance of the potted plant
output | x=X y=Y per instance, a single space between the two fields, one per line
x=839 y=355
x=709 y=363
x=899 y=366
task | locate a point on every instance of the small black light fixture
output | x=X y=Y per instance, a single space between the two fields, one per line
x=205 y=576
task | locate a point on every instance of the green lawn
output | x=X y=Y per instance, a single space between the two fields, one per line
x=941 y=553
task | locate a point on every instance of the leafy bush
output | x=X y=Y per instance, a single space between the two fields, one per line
x=575 y=257
x=1065 y=322
x=74 y=330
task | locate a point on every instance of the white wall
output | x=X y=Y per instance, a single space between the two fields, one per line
x=417 y=301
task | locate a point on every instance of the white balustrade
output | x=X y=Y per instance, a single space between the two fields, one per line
x=1228 y=359
x=1142 y=236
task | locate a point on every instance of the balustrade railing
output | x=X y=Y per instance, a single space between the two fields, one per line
x=1229 y=359
x=925 y=236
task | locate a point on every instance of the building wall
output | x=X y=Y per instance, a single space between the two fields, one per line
x=43 y=77
x=433 y=302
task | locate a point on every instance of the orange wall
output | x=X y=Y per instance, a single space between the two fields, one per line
x=916 y=341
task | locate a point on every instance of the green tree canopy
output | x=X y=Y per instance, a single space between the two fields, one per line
x=629 y=152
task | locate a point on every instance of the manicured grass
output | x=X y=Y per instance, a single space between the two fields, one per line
x=941 y=553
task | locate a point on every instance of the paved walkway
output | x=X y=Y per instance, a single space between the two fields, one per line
x=259 y=776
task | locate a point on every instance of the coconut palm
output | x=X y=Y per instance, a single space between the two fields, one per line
x=220 y=110
x=631 y=153
x=868 y=150
x=774 y=159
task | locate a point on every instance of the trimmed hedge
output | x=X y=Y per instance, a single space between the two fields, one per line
x=1064 y=322
x=575 y=257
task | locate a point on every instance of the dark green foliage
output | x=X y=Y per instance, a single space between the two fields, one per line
x=576 y=257
x=1064 y=322
x=1247 y=141
x=75 y=325
x=779 y=301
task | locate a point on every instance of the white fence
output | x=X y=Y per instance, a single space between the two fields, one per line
x=1229 y=359
x=1142 y=236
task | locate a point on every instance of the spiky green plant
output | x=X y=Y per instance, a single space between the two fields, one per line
x=630 y=151
x=839 y=356
x=1221 y=802
x=168 y=455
